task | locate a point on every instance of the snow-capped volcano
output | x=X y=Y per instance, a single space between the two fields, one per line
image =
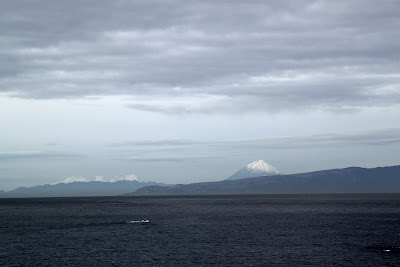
x=254 y=169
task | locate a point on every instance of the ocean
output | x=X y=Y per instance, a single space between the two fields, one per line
x=224 y=230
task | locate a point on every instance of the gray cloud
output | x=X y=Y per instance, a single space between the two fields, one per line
x=22 y=155
x=258 y=55
x=384 y=137
x=170 y=149
x=168 y=159
x=157 y=143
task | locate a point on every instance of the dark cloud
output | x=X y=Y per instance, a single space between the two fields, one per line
x=281 y=55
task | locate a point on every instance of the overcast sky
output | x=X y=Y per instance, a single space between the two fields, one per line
x=188 y=91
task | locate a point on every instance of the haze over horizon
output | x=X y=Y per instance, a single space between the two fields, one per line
x=188 y=91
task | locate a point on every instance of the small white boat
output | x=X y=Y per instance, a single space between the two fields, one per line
x=141 y=221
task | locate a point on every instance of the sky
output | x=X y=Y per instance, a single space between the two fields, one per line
x=189 y=91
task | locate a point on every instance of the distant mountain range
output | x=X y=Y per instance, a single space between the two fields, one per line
x=348 y=180
x=255 y=169
x=76 y=189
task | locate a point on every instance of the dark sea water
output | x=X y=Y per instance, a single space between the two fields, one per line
x=257 y=230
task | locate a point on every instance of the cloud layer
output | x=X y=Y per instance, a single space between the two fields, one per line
x=72 y=179
x=38 y=155
x=191 y=56
x=194 y=150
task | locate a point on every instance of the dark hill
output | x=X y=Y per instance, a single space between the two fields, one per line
x=78 y=189
x=348 y=180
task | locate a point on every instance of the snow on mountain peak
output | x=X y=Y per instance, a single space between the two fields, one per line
x=261 y=166
x=254 y=169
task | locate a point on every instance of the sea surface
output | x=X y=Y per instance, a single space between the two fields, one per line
x=233 y=230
